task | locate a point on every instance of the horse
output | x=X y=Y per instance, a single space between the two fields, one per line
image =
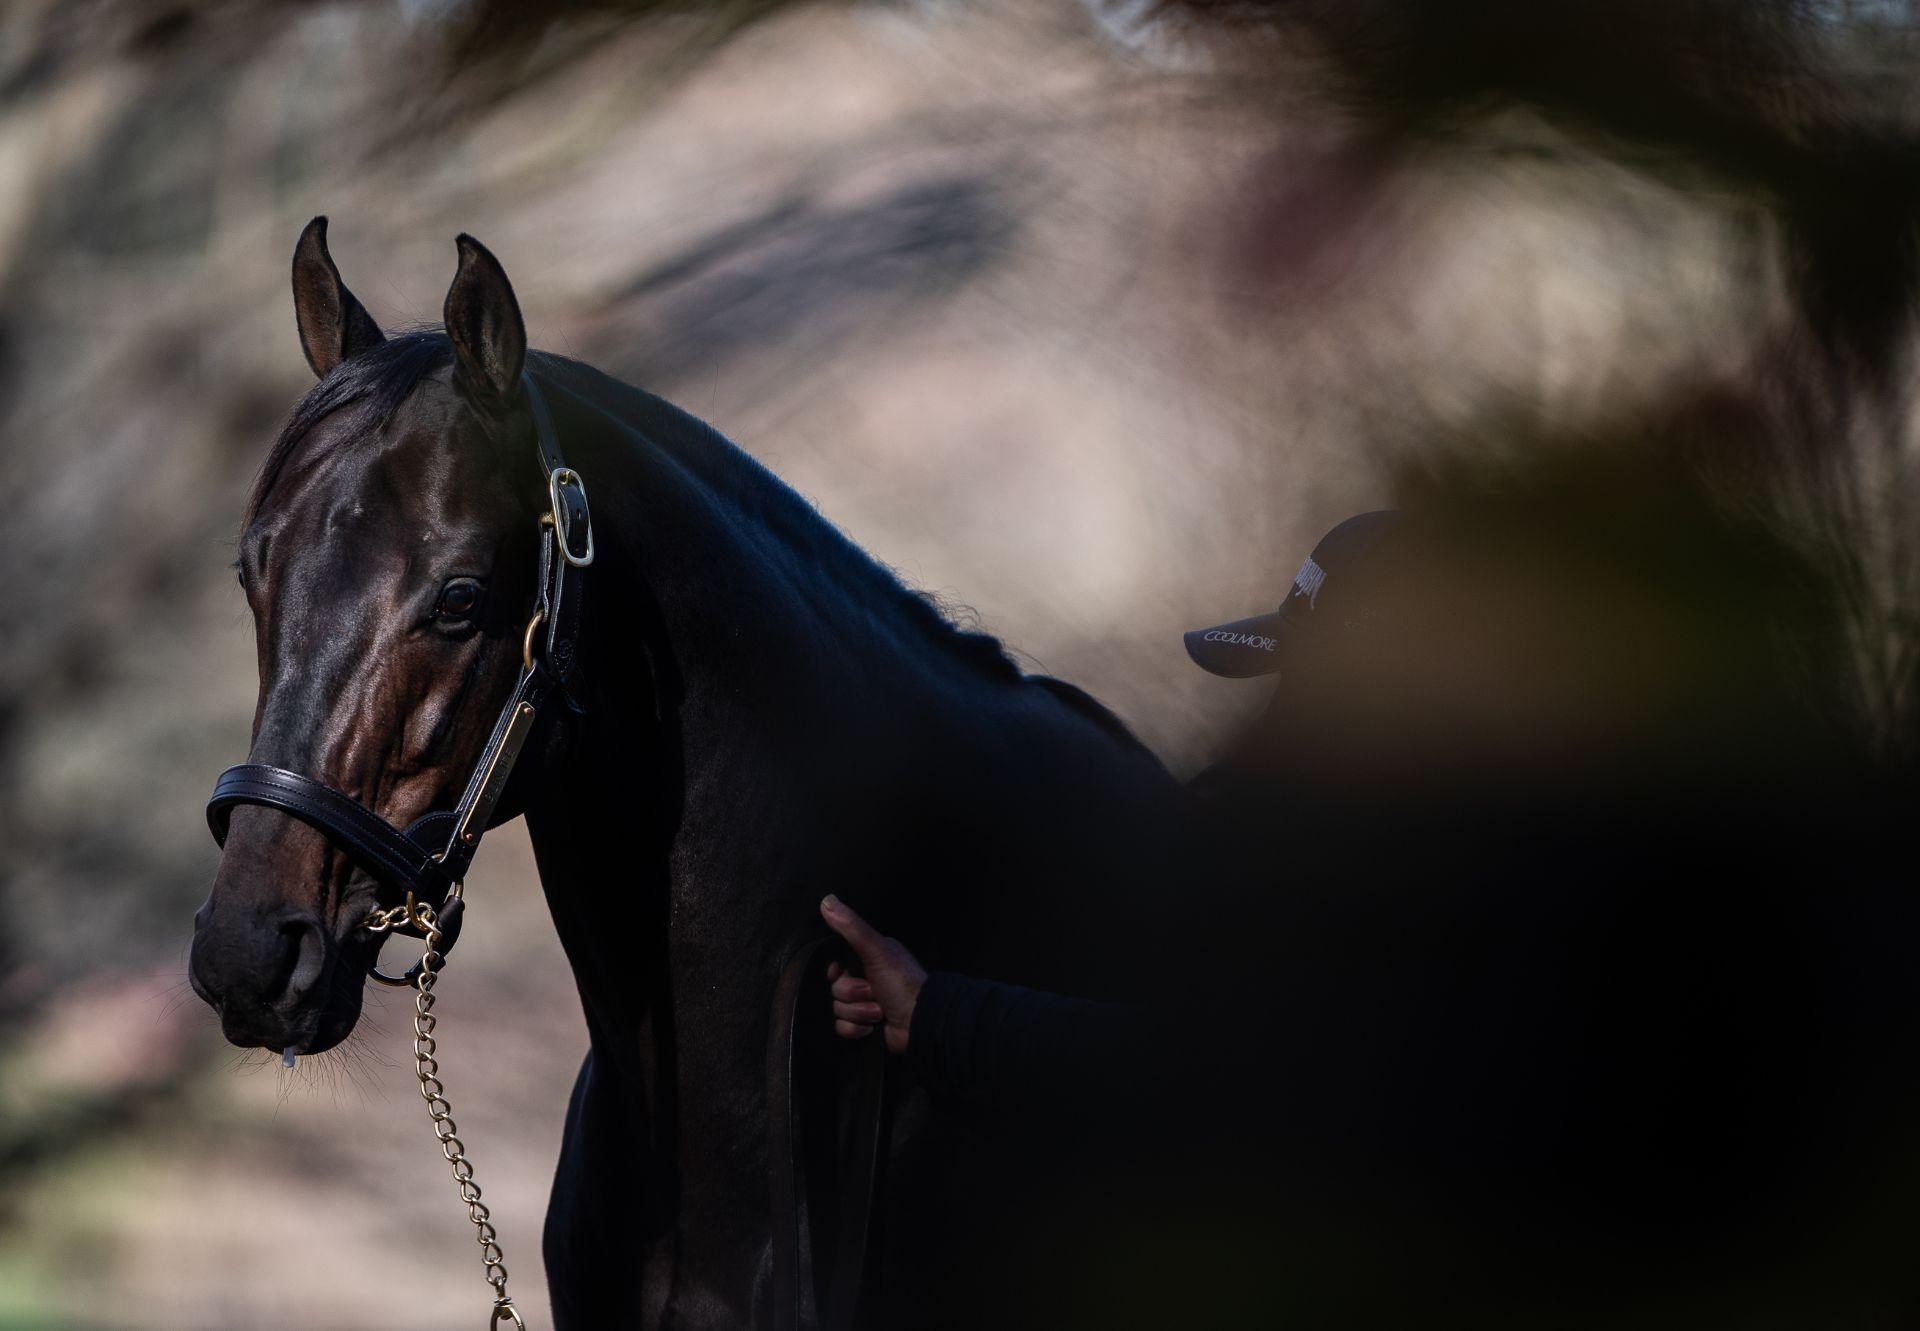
x=755 y=713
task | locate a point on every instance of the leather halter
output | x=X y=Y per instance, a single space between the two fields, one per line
x=431 y=855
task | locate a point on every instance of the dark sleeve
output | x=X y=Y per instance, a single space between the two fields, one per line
x=1005 y=1049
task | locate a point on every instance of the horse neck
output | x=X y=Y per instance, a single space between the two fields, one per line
x=771 y=717
x=705 y=694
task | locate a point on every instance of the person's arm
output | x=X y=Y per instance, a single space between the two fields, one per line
x=1006 y=1048
x=1001 y=1047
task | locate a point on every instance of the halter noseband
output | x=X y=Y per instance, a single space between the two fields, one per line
x=428 y=860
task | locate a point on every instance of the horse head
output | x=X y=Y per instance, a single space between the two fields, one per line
x=387 y=559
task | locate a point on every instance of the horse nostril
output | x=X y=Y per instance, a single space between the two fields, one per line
x=263 y=970
x=303 y=959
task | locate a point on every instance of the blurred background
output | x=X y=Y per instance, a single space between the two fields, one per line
x=1088 y=317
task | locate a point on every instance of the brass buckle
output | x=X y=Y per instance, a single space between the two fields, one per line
x=559 y=477
x=526 y=641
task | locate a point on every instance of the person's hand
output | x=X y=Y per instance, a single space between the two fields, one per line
x=883 y=999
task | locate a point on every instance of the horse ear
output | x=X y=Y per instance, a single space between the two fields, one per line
x=333 y=325
x=484 y=324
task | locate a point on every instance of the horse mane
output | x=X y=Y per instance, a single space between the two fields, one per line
x=1079 y=700
x=962 y=623
x=802 y=525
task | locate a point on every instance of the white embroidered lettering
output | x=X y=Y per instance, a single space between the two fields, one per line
x=1241 y=639
x=1308 y=580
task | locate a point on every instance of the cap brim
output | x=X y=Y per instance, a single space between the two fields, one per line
x=1243 y=649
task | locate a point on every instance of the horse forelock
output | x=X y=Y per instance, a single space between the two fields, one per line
x=372 y=385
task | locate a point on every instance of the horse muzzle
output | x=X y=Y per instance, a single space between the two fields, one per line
x=274 y=974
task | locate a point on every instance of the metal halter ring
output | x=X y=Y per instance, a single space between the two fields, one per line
x=405 y=980
x=402 y=981
x=409 y=914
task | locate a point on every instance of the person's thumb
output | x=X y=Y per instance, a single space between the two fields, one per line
x=867 y=943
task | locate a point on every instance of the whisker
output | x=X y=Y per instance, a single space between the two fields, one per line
x=174 y=997
x=249 y=1060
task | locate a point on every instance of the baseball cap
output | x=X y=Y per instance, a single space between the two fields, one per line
x=1347 y=580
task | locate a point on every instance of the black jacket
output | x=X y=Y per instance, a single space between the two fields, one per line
x=1008 y=1051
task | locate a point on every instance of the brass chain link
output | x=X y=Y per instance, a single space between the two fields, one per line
x=423 y=917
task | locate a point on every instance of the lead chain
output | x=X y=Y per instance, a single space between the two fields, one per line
x=427 y=1068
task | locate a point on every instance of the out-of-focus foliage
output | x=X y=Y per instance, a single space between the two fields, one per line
x=1796 y=113
x=1089 y=318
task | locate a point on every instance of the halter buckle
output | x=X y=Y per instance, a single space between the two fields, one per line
x=566 y=478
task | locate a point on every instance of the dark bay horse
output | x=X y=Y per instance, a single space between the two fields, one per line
x=765 y=714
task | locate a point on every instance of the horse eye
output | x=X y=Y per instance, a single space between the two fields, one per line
x=458 y=599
